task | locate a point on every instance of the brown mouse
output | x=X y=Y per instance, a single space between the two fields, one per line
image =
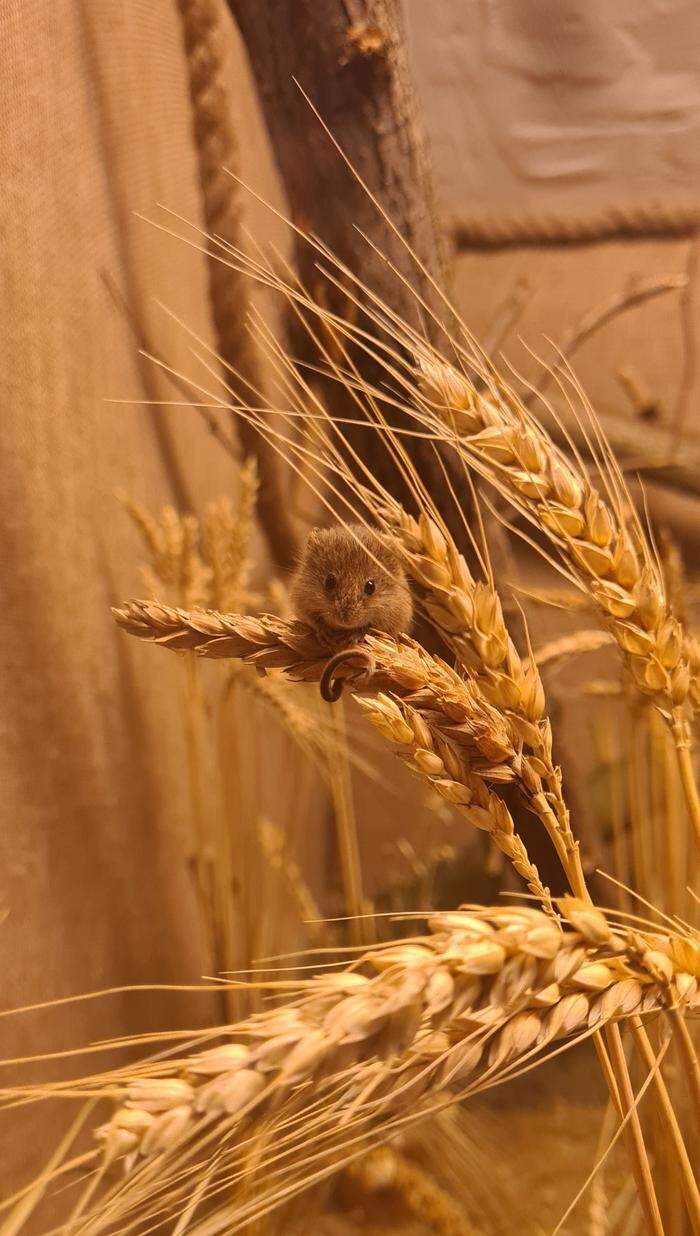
x=347 y=582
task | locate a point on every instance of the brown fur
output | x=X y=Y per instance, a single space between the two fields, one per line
x=344 y=614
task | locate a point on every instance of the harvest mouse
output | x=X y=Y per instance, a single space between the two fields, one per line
x=348 y=581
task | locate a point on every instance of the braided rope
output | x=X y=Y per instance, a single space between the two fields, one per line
x=216 y=151
x=612 y=223
x=204 y=37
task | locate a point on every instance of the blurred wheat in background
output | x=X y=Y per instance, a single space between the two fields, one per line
x=311 y=986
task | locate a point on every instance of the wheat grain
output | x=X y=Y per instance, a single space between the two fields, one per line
x=276 y=849
x=409 y=1023
x=453 y=736
x=427 y=753
x=384 y=1168
x=469 y=616
x=601 y=543
x=226 y=534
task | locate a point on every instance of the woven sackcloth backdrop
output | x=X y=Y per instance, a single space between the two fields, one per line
x=96 y=127
x=563 y=120
x=95 y=885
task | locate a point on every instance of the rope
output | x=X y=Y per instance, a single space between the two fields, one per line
x=652 y=220
x=204 y=37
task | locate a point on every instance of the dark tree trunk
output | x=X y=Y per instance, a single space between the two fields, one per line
x=350 y=57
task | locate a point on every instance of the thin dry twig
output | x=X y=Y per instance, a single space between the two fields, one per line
x=638 y=293
x=688 y=328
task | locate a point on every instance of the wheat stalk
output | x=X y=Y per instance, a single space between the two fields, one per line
x=605 y=553
x=597 y=537
x=301 y=724
x=426 y=752
x=691 y=648
x=274 y=845
x=226 y=535
x=406 y=1025
x=469 y=616
x=470 y=619
x=451 y=735
x=669 y=690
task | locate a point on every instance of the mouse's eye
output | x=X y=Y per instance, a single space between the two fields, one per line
x=330 y=582
x=370 y=587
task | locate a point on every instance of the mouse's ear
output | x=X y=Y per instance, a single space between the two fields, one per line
x=314 y=537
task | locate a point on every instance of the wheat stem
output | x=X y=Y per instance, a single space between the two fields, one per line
x=346 y=825
x=86 y=1197
x=635 y=1138
x=688 y=1182
x=615 y=1071
x=598 y=1205
x=622 y=1095
x=690 y=1056
x=613 y=1063
x=681 y=739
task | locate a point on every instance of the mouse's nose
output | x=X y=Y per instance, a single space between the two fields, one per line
x=347 y=610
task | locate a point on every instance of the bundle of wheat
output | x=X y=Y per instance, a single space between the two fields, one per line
x=451 y=734
x=362 y=1050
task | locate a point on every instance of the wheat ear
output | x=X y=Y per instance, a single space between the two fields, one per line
x=407 y=1026
x=449 y=733
x=596 y=536
x=420 y=1193
x=469 y=616
x=609 y=557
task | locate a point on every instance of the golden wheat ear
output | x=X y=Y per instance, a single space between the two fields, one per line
x=359 y=1054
